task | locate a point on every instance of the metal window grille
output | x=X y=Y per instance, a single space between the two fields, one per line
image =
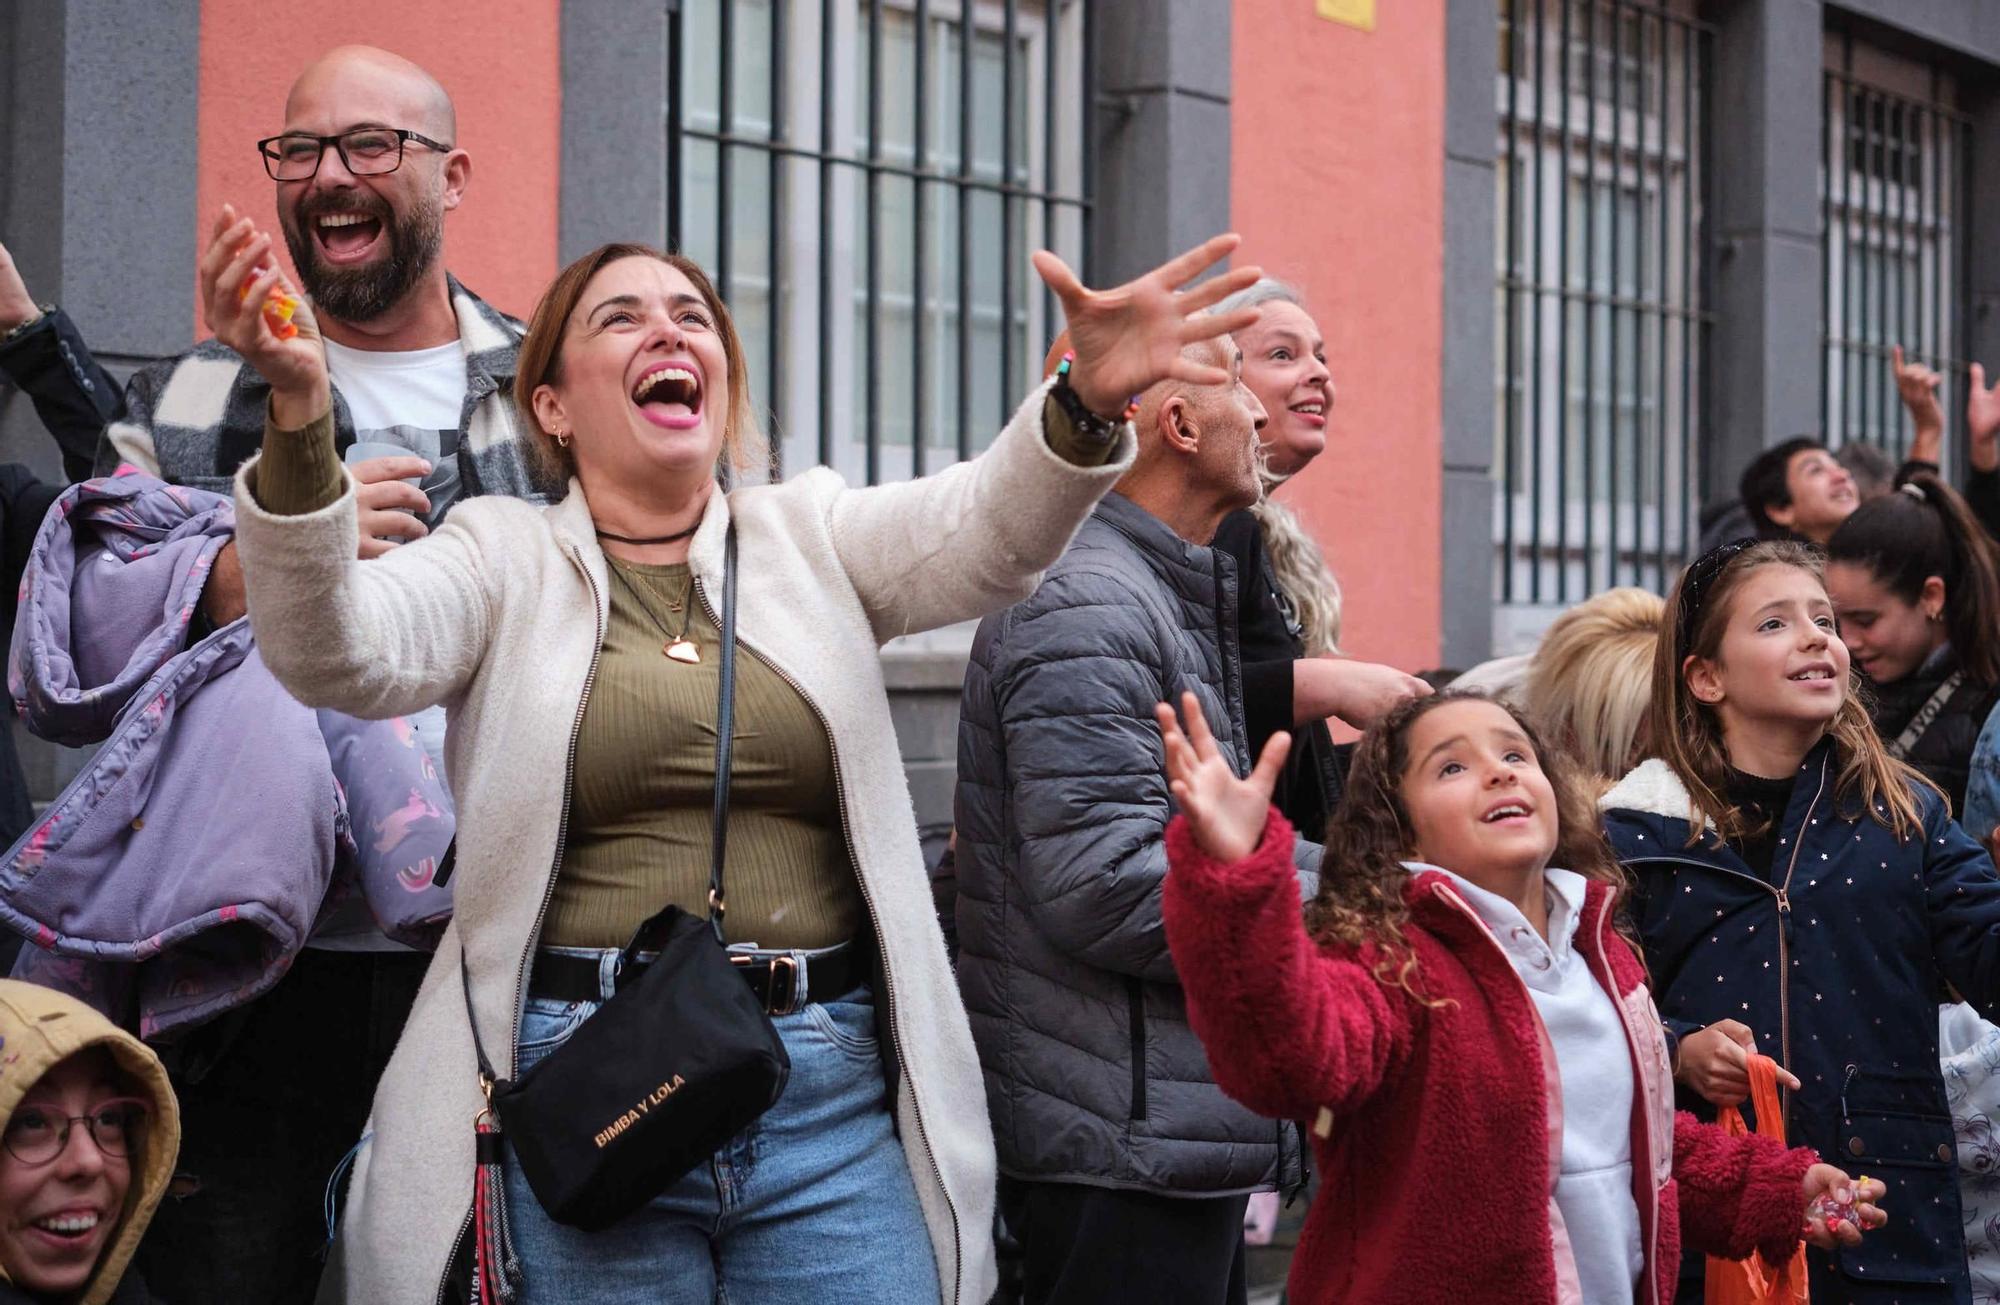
x=864 y=179
x=1600 y=298
x=1894 y=187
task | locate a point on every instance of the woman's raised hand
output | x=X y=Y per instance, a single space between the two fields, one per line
x=239 y=271
x=1130 y=338
x=1225 y=814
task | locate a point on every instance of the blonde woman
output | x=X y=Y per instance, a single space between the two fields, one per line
x=1288 y=603
x=1590 y=682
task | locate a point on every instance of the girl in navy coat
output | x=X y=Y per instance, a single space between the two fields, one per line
x=1800 y=892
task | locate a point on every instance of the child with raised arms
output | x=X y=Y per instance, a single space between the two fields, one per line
x=1460 y=1019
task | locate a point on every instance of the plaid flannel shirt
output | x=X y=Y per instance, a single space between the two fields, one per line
x=193 y=420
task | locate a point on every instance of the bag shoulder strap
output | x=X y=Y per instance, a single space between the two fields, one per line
x=725 y=732
x=1921 y=722
x=725 y=735
x=487 y=1078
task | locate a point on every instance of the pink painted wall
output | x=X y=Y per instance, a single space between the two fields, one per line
x=1337 y=184
x=502 y=64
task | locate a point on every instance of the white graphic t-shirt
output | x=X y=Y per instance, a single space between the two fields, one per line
x=411 y=399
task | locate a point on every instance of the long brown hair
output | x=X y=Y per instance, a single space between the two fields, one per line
x=1686 y=732
x=540 y=360
x=1362 y=877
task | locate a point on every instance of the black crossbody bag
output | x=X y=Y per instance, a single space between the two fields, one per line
x=678 y=1061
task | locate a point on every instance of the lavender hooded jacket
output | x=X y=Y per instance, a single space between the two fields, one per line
x=179 y=874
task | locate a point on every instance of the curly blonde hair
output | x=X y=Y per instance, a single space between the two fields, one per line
x=1299 y=570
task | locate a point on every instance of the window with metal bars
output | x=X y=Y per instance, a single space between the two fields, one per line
x=1894 y=185
x=1602 y=111
x=865 y=184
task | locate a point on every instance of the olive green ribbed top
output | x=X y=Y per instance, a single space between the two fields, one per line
x=644 y=782
x=645 y=759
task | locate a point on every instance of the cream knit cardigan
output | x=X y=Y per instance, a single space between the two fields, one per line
x=498 y=616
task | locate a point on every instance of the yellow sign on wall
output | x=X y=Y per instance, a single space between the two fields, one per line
x=1355 y=13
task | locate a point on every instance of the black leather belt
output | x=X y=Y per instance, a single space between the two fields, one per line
x=778 y=981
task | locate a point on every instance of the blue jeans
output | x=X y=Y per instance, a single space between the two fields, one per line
x=811 y=1205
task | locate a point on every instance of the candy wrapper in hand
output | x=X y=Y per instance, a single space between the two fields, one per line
x=278 y=309
x=1829 y=1209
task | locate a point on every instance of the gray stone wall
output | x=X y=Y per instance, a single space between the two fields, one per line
x=97 y=203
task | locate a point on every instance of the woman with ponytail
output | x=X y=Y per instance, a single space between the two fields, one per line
x=1916 y=582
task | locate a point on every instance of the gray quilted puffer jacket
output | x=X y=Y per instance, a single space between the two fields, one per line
x=1092 y=1073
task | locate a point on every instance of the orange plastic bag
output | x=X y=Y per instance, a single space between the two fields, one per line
x=1756 y=1281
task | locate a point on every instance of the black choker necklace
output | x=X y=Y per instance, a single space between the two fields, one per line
x=674 y=538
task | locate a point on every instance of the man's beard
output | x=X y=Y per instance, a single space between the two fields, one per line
x=362 y=294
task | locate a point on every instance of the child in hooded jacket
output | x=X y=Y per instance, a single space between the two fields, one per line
x=89 y=1131
x=1463 y=1024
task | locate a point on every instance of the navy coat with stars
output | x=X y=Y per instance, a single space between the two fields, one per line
x=1837 y=964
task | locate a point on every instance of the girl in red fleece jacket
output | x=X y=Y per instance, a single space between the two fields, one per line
x=1474 y=1045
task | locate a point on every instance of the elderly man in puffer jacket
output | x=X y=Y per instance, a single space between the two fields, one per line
x=1125 y=1170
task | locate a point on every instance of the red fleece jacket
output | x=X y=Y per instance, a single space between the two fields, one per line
x=1445 y=1120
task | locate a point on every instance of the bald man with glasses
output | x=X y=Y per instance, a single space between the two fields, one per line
x=366 y=166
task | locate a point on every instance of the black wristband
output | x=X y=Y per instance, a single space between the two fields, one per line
x=1088 y=424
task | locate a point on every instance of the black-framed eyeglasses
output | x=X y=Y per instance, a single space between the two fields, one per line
x=366 y=151
x=36 y=1135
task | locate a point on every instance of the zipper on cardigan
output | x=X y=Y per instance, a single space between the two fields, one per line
x=888 y=982
x=549 y=892
x=1545 y=1047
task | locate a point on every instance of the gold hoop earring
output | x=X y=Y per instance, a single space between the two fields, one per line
x=562 y=438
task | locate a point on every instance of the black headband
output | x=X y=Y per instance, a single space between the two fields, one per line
x=1700 y=576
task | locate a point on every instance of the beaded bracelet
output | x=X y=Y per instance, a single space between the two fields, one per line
x=1062 y=382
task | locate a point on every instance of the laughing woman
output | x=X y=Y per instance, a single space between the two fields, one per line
x=576 y=648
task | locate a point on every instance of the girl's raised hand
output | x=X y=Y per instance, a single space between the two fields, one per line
x=1130 y=338
x=1225 y=814
x=1838 y=1189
